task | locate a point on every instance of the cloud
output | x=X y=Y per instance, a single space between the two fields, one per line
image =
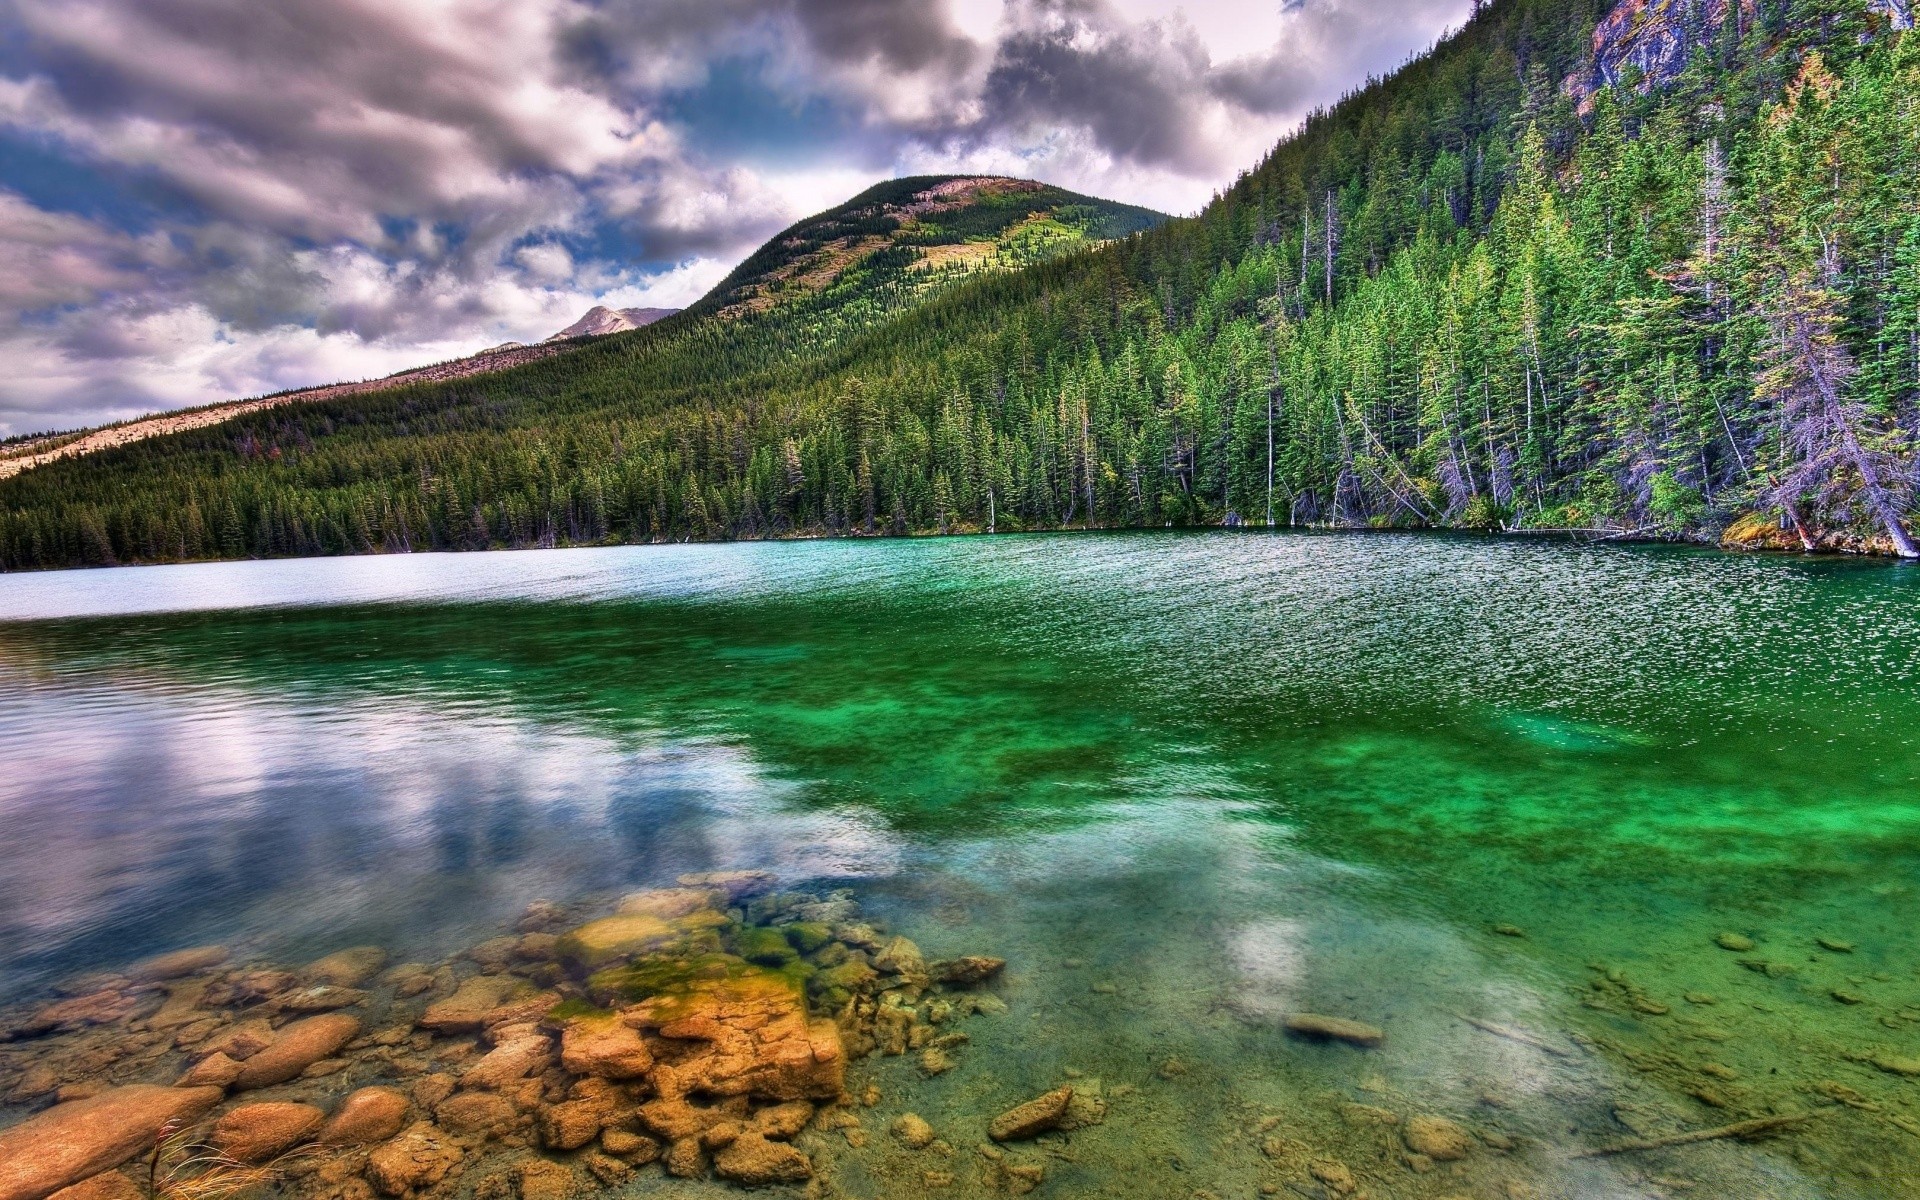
x=313 y=189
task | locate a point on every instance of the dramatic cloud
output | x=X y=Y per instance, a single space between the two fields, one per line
x=202 y=199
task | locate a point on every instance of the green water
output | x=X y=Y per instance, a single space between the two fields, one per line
x=1186 y=784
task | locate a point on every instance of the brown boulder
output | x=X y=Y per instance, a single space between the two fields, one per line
x=372 y=1114
x=668 y=903
x=571 y=1124
x=176 y=963
x=347 y=968
x=673 y=1119
x=108 y=1185
x=420 y=1157
x=913 y=1131
x=604 y=1046
x=215 y=1070
x=509 y=1062
x=1438 y=1138
x=758 y=1040
x=1033 y=1118
x=782 y=1121
x=476 y=1114
x=77 y=1012
x=295 y=1048
x=540 y=1179
x=612 y=939
x=753 y=1160
x=474 y=1002
x=258 y=1133
x=71 y=1142
x=968 y=971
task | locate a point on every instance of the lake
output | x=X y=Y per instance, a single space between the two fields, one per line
x=1611 y=844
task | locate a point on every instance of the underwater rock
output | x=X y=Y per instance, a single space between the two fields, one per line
x=258 y=1133
x=513 y=1060
x=418 y=1158
x=966 y=971
x=753 y=1160
x=74 y=1141
x=1340 y=1029
x=347 y=968
x=685 y=1159
x=1738 y=942
x=541 y=916
x=613 y=939
x=176 y=963
x=371 y=1114
x=765 y=947
x=473 y=1002
x=182 y=1005
x=758 y=1039
x=215 y=1070
x=782 y=1121
x=571 y=1124
x=78 y=1012
x=807 y=936
x=738 y=885
x=108 y=1185
x=324 y=997
x=478 y=1115
x=1336 y=1175
x=541 y=1179
x=673 y=1119
x=912 y=1131
x=1033 y=1118
x=934 y=1060
x=1438 y=1138
x=637 y=1148
x=900 y=956
x=668 y=903
x=295 y=1048
x=604 y=1046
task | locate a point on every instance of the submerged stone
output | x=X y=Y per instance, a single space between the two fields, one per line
x=176 y=963
x=473 y=1002
x=347 y=968
x=371 y=1114
x=74 y=1141
x=1738 y=942
x=610 y=939
x=754 y=1160
x=1033 y=1118
x=1339 y=1029
x=605 y=1046
x=418 y=1158
x=1438 y=1138
x=296 y=1048
x=258 y=1133
x=912 y=1131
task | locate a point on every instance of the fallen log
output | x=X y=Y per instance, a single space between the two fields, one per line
x=1739 y=1130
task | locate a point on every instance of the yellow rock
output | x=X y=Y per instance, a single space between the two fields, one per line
x=611 y=939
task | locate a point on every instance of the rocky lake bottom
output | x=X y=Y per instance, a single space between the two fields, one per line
x=1195 y=867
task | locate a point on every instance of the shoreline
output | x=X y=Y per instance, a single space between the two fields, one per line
x=1837 y=547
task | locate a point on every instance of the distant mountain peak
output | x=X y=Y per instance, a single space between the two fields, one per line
x=601 y=320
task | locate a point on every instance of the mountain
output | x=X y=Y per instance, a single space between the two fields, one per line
x=601 y=320
x=1648 y=269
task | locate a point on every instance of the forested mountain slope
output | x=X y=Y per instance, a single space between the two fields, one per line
x=1649 y=269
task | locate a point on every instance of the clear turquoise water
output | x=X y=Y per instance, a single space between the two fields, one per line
x=1186 y=783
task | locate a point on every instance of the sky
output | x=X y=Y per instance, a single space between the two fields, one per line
x=203 y=200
